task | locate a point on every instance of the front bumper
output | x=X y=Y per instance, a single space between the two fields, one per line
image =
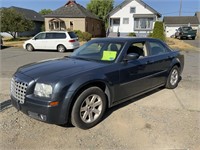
x=41 y=110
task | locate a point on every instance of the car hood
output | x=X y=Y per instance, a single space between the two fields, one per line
x=58 y=68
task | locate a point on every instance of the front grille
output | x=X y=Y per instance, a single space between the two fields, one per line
x=18 y=90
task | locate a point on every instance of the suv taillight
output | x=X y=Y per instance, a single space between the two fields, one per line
x=71 y=41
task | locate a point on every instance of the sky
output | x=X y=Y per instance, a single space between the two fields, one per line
x=165 y=7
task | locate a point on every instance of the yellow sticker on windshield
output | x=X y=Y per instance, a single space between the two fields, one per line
x=109 y=55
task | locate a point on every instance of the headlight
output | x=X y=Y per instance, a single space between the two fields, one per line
x=43 y=90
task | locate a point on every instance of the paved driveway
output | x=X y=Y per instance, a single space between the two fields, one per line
x=163 y=119
x=195 y=42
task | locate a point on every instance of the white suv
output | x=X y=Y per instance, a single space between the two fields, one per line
x=53 y=40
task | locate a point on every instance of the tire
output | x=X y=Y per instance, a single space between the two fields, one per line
x=88 y=108
x=173 y=78
x=193 y=38
x=29 y=47
x=61 y=48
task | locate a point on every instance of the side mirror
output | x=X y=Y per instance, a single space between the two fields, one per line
x=131 y=56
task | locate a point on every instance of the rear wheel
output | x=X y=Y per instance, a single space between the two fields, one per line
x=29 y=47
x=173 y=78
x=193 y=38
x=89 y=108
x=61 y=48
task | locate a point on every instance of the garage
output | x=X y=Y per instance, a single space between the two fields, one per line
x=174 y=22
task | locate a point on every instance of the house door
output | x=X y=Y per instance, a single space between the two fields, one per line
x=115 y=24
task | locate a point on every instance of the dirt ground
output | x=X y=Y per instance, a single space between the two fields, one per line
x=161 y=120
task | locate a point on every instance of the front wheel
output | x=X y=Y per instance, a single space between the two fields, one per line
x=29 y=47
x=89 y=108
x=173 y=78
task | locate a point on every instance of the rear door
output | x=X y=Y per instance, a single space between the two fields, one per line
x=159 y=61
x=54 y=39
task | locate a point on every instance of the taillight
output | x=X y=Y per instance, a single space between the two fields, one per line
x=72 y=41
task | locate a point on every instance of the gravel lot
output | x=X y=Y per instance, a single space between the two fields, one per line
x=163 y=119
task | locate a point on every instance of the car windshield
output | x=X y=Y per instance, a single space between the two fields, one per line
x=187 y=28
x=98 y=51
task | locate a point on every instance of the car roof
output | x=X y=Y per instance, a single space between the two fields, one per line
x=56 y=31
x=124 y=39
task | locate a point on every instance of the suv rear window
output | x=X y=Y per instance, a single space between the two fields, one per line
x=72 y=34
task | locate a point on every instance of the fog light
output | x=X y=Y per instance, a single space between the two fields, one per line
x=54 y=103
x=43 y=117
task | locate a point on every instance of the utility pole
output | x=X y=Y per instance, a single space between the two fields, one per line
x=180 y=8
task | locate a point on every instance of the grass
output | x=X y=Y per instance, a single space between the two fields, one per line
x=179 y=44
x=11 y=42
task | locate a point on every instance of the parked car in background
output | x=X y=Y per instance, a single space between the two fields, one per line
x=100 y=74
x=185 y=32
x=1 y=42
x=53 y=40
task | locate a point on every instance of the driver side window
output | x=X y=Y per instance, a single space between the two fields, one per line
x=138 y=48
x=41 y=36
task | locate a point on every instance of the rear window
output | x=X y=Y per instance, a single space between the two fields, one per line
x=55 y=36
x=72 y=34
x=60 y=35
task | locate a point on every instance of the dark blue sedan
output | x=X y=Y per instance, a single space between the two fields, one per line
x=100 y=74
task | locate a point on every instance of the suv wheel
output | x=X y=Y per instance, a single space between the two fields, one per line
x=88 y=108
x=29 y=47
x=61 y=48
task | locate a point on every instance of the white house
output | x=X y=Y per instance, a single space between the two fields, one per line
x=132 y=16
x=174 y=22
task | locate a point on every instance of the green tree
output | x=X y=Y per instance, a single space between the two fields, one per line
x=158 y=31
x=45 y=11
x=101 y=8
x=13 y=22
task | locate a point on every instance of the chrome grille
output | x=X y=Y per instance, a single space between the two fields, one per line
x=18 y=90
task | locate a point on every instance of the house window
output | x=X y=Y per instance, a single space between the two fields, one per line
x=116 y=21
x=143 y=23
x=71 y=25
x=125 y=20
x=132 y=10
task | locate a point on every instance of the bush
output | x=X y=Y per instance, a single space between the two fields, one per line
x=87 y=36
x=158 y=31
x=132 y=34
x=150 y=35
x=83 y=36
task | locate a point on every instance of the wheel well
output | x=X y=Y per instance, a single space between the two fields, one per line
x=29 y=44
x=61 y=45
x=177 y=64
x=101 y=85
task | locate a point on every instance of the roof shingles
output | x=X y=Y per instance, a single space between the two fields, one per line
x=72 y=11
x=28 y=14
x=181 y=20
